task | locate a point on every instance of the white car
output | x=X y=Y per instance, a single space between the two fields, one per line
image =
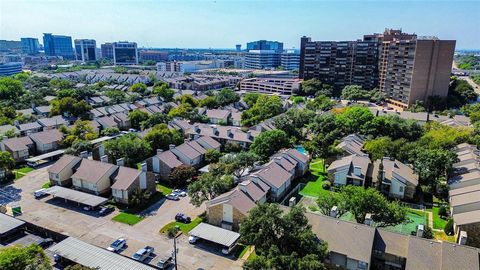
x=117 y=245
x=192 y=239
x=180 y=192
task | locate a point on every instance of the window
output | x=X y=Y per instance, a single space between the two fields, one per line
x=400 y=189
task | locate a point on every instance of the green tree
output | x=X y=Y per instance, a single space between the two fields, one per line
x=431 y=164
x=188 y=99
x=427 y=233
x=129 y=147
x=155 y=119
x=136 y=117
x=116 y=96
x=355 y=92
x=6 y=160
x=238 y=164
x=264 y=108
x=79 y=146
x=110 y=131
x=355 y=119
x=160 y=137
x=320 y=103
x=448 y=229
x=378 y=148
x=293 y=121
x=282 y=240
x=10 y=88
x=162 y=90
x=269 y=142
x=182 y=175
x=28 y=257
x=315 y=87
x=226 y=96
x=251 y=98
x=327 y=201
x=212 y=156
x=139 y=197
x=208 y=186
x=209 y=102
x=79 y=267
x=138 y=88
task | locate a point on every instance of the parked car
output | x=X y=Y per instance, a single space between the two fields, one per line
x=180 y=192
x=117 y=245
x=143 y=253
x=132 y=130
x=105 y=210
x=56 y=257
x=180 y=217
x=192 y=239
x=165 y=262
x=87 y=208
x=45 y=242
x=173 y=197
x=39 y=193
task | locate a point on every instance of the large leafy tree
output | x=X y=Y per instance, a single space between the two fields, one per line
x=265 y=107
x=162 y=90
x=208 y=186
x=6 y=160
x=28 y=257
x=237 y=164
x=160 y=137
x=182 y=175
x=269 y=142
x=129 y=147
x=155 y=119
x=293 y=121
x=226 y=96
x=138 y=88
x=282 y=240
x=320 y=103
x=136 y=117
x=251 y=98
x=315 y=87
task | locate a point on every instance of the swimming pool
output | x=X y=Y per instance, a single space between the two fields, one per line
x=301 y=149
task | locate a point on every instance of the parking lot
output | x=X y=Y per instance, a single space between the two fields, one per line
x=69 y=219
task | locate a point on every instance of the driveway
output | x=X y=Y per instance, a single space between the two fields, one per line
x=101 y=231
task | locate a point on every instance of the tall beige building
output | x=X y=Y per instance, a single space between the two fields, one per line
x=413 y=68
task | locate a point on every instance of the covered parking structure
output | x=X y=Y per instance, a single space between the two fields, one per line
x=9 y=227
x=77 y=251
x=76 y=196
x=34 y=161
x=215 y=234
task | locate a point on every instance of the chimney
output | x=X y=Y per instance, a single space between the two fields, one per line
x=16 y=123
x=143 y=180
x=84 y=154
x=292 y=202
x=121 y=162
x=171 y=146
x=229 y=133
x=278 y=160
x=334 y=211
x=104 y=159
x=462 y=238
x=196 y=128
x=159 y=151
x=186 y=140
x=249 y=135
x=196 y=137
x=368 y=219
x=143 y=166
x=420 y=229
x=215 y=131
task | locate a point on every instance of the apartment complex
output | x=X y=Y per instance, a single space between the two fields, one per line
x=85 y=49
x=406 y=68
x=413 y=68
x=279 y=86
x=340 y=63
x=57 y=45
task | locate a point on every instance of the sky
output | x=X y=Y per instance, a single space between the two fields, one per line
x=224 y=23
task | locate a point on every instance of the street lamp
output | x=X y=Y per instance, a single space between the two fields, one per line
x=175 y=247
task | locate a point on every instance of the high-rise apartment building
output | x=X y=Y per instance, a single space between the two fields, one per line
x=413 y=68
x=404 y=67
x=30 y=46
x=265 y=45
x=340 y=63
x=85 y=50
x=10 y=46
x=57 y=45
x=125 y=53
x=107 y=50
x=290 y=60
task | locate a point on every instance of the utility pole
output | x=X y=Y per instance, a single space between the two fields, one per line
x=175 y=248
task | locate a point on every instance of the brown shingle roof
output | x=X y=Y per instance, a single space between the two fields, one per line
x=18 y=144
x=169 y=159
x=124 y=177
x=92 y=170
x=62 y=163
x=47 y=136
x=274 y=174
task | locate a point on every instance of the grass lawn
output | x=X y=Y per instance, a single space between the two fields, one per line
x=127 y=218
x=416 y=217
x=438 y=222
x=19 y=173
x=46 y=185
x=314 y=188
x=164 y=189
x=440 y=235
x=185 y=228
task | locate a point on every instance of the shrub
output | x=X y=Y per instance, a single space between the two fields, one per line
x=442 y=211
x=449 y=227
x=428 y=233
x=172 y=231
x=326 y=185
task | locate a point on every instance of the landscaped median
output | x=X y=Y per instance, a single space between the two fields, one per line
x=184 y=227
x=127 y=218
x=19 y=173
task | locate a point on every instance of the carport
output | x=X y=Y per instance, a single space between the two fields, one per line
x=215 y=234
x=88 y=255
x=76 y=196
x=34 y=161
x=9 y=226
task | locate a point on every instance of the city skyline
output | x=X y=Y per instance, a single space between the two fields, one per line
x=223 y=24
